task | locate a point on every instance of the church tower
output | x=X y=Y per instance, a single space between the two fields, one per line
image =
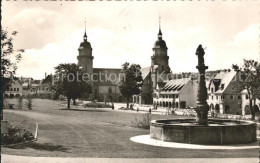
x=160 y=57
x=85 y=58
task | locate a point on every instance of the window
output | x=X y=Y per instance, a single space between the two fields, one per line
x=11 y=89
x=247 y=97
x=17 y=89
x=183 y=104
x=239 y=97
x=231 y=97
x=216 y=97
x=173 y=96
x=14 y=89
x=212 y=97
x=211 y=90
x=222 y=86
x=177 y=96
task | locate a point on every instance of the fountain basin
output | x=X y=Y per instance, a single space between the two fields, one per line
x=217 y=132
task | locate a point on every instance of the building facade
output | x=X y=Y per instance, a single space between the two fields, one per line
x=177 y=93
x=15 y=89
x=245 y=109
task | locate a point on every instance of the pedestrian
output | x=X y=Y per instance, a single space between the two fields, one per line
x=137 y=109
x=150 y=111
x=113 y=106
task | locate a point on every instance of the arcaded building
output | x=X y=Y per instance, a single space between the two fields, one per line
x=177 y=93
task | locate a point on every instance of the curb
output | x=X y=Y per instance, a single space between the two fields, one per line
x=36 y=131
x=35 y=138
x=145 y=139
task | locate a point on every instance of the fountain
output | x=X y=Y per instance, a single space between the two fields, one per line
x=203 y=130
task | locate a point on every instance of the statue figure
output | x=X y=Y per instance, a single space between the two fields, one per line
x=200 y=53
x=202 y=106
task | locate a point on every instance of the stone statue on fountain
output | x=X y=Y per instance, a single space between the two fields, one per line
x=200 y=53
x=202 y=106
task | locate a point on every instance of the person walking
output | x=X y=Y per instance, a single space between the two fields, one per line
x=113 y=106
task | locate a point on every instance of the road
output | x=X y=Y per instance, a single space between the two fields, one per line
x=78 y=134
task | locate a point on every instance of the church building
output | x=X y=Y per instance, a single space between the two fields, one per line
x=103 y=89
x=155 y=76
x=107 y=90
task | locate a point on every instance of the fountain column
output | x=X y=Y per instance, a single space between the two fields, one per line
x=202 y=105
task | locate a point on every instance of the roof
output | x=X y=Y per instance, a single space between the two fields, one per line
x=25 y=84
x=16 y=80
x=34 y=85
x=85 y=44
x=160 y=85
x=47 y=80
x=225 y=77
x=244 y=91
x=174 y=86
x=160 y=44
x=146 y=70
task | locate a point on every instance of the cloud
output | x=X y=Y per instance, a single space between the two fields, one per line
x=123 y=31
x=36 y=27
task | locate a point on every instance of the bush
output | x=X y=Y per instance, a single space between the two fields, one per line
x=143 y=123
x=20 y=102
x=29 y=102
x=97 y=105
x=16 y=135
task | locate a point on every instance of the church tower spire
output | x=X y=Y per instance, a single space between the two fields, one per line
x=160 y=32
x=85 y=34
x=85 y=58
x=160 y=57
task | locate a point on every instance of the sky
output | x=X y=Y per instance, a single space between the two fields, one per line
x=51 y=32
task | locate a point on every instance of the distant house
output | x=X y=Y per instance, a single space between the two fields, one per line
x=44 y=87
x=245 y=103
x=222 y=96
x=177 y=93
x=15 y=89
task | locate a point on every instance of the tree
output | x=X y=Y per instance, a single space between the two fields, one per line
x=69 y=82
x=131 y=81
x=249 y=80
x=9 y=60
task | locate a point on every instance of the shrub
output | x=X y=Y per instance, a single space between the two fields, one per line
x=29 y=102
x=143 y=123
x=16 y=135
x=20 y=102
x=97 y=105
